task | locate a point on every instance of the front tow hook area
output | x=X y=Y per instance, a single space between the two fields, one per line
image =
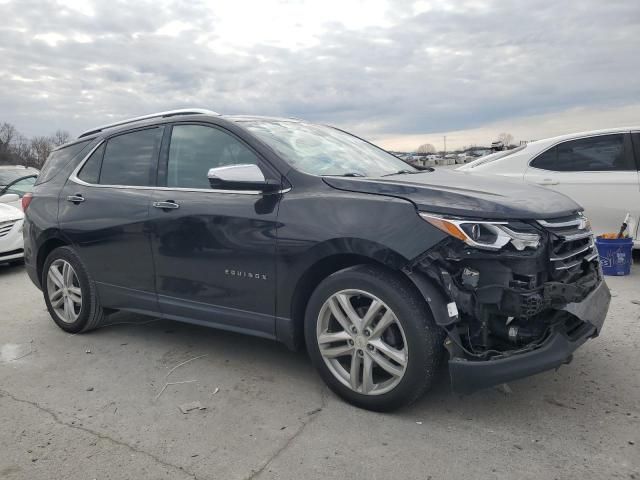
x=468 y=376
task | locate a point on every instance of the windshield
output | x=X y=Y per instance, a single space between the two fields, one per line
x=495 y=156
x=8 y=175
x=21 y=186
x=321 y=150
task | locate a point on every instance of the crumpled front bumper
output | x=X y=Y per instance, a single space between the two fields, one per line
x=468 y=376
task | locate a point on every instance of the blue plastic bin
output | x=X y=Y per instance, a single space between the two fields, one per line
x=615 y=255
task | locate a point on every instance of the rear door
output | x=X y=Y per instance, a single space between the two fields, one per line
x=214 y=250
x=104 y=211
x=598 y=172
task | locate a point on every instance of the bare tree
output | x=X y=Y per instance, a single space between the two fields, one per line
x=22 y=151
x=60 y=137
x=7 y=132
x=41 y=148
x=16 y=149
x=506 y=139
x=7 y=135
x=426 y=148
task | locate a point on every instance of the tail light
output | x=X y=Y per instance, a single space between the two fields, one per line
x=26 y=201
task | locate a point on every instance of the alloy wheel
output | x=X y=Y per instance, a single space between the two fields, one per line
x=362 y=342
x=65 y=294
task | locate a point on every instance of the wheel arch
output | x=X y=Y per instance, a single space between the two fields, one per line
x=49 y=245
x=290 y=326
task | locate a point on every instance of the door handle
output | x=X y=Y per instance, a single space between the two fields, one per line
x=77 y=198
x=547 y=181
x=168 y=205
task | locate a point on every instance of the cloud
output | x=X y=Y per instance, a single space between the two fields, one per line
x=391 y=71
x=527 y=128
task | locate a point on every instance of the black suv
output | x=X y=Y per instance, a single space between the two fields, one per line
x=306 y=234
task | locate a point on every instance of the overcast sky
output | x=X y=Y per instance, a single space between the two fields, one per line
x=398 y=72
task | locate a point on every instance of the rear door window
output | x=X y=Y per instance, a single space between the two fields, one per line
x=593 y=154
x=130 y=159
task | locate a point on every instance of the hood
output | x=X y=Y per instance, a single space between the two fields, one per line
x=7 y=212
x=458 y=193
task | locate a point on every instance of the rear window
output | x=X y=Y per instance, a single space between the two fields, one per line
x=60 y=159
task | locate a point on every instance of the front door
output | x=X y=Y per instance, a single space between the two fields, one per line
x=104 y=210
x=214 y=250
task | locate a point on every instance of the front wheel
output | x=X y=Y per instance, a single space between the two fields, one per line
x=372 y=337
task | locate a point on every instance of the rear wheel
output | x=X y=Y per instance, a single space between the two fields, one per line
x=69 y=292
x=372 y=337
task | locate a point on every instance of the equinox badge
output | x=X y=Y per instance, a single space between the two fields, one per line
x=239 y=273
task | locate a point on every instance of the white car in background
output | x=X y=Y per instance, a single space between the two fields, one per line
x=598 y=169
x=11 y=173
x=15 y=181
x=11 y=244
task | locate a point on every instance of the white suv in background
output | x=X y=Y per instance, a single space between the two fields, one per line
x=598 y=169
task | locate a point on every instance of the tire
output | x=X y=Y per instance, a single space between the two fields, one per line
x=89 y=313
x=413 y=336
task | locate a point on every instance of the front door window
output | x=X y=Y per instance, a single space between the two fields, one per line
x=195 y=149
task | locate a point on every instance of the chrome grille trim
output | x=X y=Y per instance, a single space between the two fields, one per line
x=6 y=228
x=591 y=257
x=570 y=266
x=570 y=223
x=576 y=236
x=572 y=254
x=571 y=245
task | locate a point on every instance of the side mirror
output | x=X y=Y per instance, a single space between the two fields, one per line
x=241 y=178
x=9 y=198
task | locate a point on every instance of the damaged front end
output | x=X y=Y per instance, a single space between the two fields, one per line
x=521 y=295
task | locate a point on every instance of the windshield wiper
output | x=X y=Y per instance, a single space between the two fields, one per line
x=400 y=172
x=348 y=174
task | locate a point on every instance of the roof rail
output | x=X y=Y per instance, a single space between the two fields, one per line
x=168 y=113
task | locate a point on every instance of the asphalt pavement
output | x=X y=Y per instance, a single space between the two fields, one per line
x=106 y=405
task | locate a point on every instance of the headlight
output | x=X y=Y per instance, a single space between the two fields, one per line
x=481 y=234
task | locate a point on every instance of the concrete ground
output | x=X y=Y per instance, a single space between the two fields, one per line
x=93 y=407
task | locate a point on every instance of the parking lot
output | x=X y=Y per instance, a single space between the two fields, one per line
x=98 y=406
